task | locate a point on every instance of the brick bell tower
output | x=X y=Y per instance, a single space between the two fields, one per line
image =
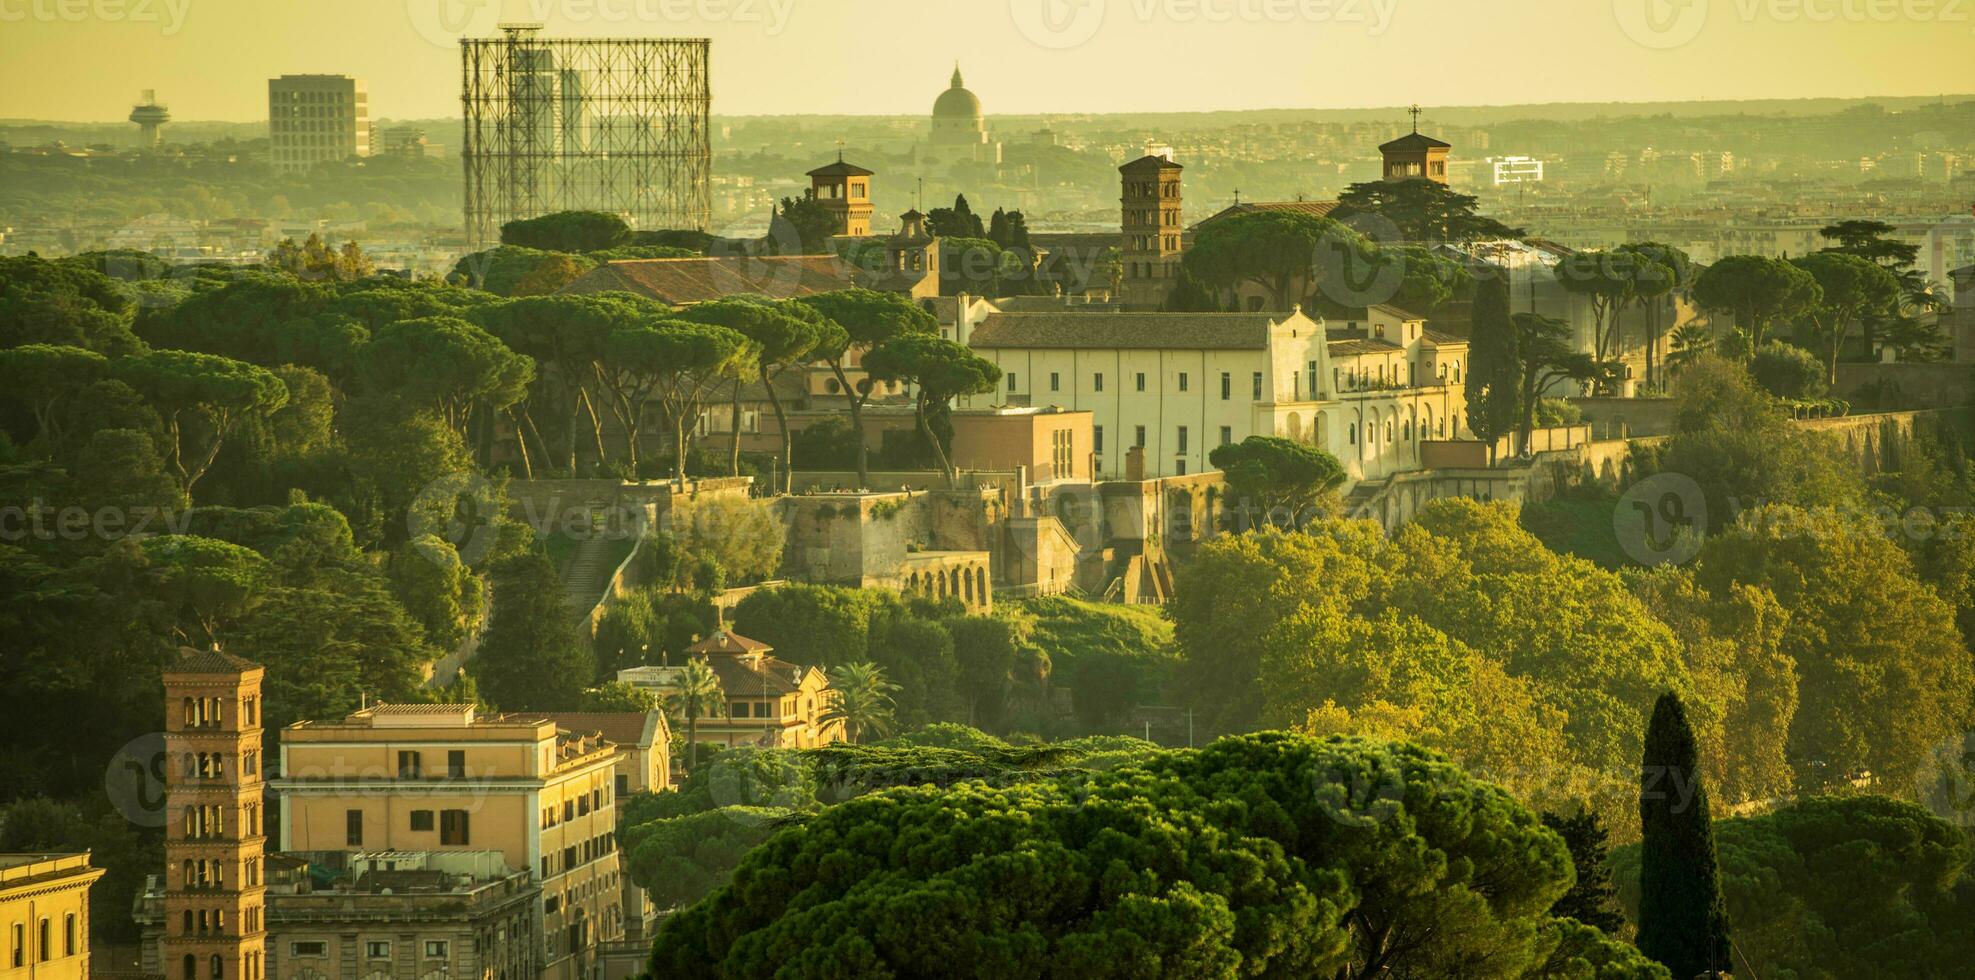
x=215 y=900
x=1150 y=251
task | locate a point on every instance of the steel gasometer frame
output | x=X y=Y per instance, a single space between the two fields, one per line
x=595 y=124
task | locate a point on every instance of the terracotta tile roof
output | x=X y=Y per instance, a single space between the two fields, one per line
x=1128 y=331
x=620 y=727
x=1415 y=141
x=728 y=641
x=192 y=661
x=683 y=282
x=1442 y=338
x=749 y=676
x=1051 y=304
x=1361 y=345
x=1396 y=312
x=1315 y=209
x=840 y=169
x=1149 y=164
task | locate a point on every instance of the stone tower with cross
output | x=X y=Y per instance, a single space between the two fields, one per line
x=215 y=900
x=1415 y=155
x=844 y=190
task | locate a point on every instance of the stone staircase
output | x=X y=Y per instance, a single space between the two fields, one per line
x=586 y=574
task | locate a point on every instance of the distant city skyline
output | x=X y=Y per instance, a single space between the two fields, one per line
x=88 y=60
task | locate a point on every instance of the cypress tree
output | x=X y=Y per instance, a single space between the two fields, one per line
x=1494 y=365
x=1683 y=920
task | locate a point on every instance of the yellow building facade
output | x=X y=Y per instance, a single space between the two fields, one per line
x=441 y=778
x=44 y=908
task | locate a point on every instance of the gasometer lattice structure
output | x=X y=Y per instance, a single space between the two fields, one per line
x=592 y=124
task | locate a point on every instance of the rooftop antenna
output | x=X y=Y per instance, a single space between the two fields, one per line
x=1415 y=111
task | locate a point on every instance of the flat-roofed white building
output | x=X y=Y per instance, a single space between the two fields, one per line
x=1178 y=385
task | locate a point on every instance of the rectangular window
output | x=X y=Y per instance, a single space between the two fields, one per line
x=1181 y=442
x=1141 y=380
x=308 y=948
x=1227 y=435
x=568 y=810
x=456 y=763
x=1227 y=386
x=42 y=932
x=583 y=805
x=1097 y=381
x=1179 y=467
x=568 y=858
x=1011 y=381
x=353 y=827
x=1256 y=384
x=408 y=765
x=1310 y=371
x=1055 y=381
x=377 y=950
x=1182 y=380
x=623 y=784
x=68 y=934
x=1138 y=435
x=435 y=949
x=452 y=827
x=1097 y=438
x=421 y=820
x=20 y=946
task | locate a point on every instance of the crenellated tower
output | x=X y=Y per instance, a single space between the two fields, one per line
x=215 y=899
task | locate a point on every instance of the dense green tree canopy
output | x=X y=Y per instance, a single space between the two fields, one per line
x=1759 y=292
x=1282 y=479
x=1346 y=858
x=567 y=231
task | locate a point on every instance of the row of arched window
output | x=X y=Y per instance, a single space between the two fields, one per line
x=250 y=964
x=969 y=585
x=211 y=712
x=212 y=922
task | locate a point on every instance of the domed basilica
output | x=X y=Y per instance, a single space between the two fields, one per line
x=959 y=130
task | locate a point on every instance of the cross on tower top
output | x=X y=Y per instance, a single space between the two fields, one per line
x=839 y=149
x=1415 y=112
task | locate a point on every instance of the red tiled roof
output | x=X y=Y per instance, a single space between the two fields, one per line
x=684 y=282
x=621 y=727
x=727 y=641
x=192 y=661
x=1315 y=209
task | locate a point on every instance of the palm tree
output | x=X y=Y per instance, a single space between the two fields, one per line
x=1690 y=342
x=695 y=694
x=863 y=699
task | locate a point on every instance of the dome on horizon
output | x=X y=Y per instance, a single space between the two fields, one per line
x=956 y=102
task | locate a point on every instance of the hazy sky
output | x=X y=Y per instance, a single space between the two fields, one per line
x=208 y=59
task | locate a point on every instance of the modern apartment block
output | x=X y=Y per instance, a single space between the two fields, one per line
x=315 y=119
